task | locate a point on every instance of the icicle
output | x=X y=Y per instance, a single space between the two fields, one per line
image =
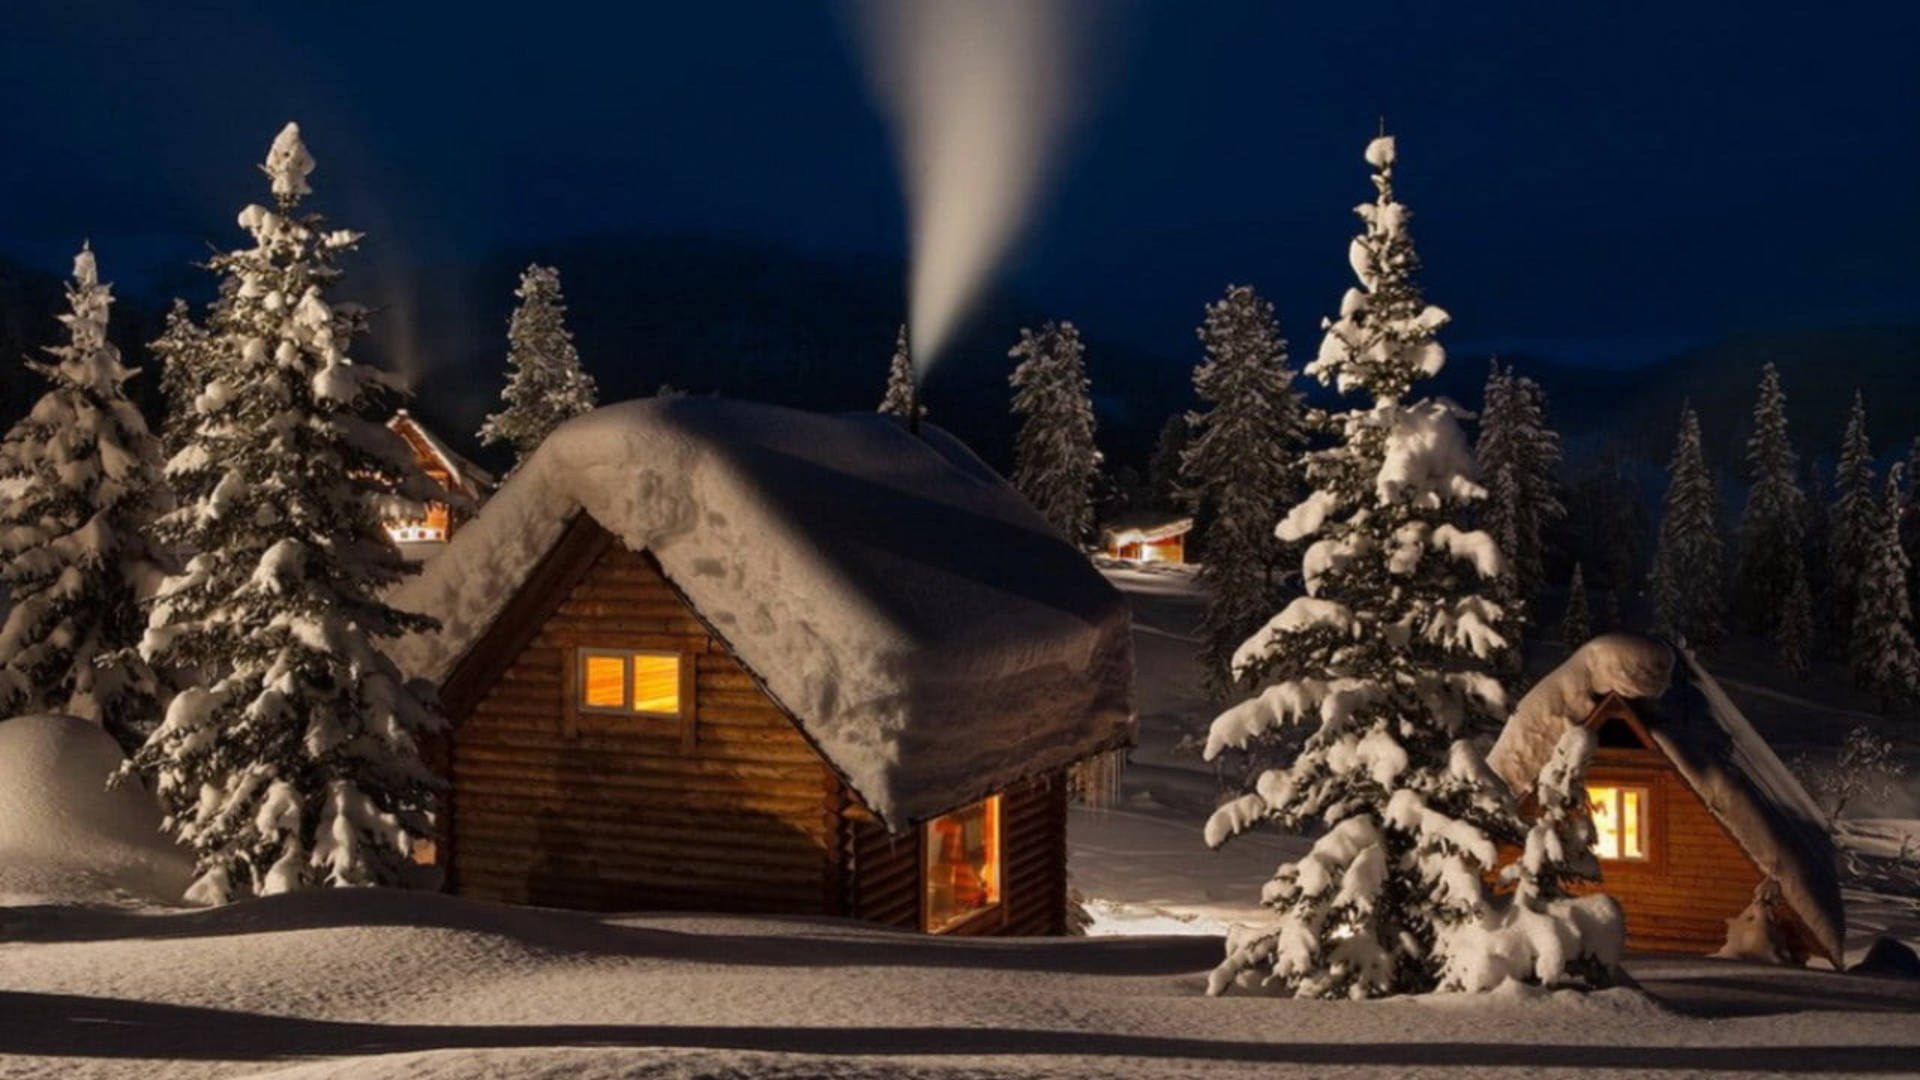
x=1095 y=781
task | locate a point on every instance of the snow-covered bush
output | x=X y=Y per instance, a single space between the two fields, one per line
x=294 y=760
x=546 y=386
x=1868 y=768
x=85 y=484
x=1387 y=656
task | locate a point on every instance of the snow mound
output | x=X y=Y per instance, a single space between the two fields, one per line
x=933 y=636
x=64 y=835
x=1626 y=664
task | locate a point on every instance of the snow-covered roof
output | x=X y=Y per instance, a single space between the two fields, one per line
x=930 y=633
x=471 y=480
x=1137 y=526
x=1737 y=775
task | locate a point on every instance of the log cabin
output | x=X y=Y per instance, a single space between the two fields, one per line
x=1147 y=536
x=708 y=655
x=1694 y=815
x=422 y=536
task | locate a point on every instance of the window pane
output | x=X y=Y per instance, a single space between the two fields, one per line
x=1630 y=825
x=963 y=863
x=603 y=682
x=656 y=684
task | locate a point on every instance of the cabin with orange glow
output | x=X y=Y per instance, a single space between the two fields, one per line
x=633 y=727
x=465 y=483
x=1147 y=536
x=1694 y=814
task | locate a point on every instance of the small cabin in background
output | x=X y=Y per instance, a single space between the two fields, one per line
x=467 y=486
x=1147 y=536
x=707 y=655
x=1695 y=815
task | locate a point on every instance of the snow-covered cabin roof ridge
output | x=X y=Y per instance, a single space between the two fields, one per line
x=928 y=631
x=1693 y=722
x=468 y=476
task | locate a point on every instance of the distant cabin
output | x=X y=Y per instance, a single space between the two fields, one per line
x=1147 y=536
x=1692 y=808
x=707 y=655
x=466 y=484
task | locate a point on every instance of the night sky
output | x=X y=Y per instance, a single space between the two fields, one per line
x=1601 y=185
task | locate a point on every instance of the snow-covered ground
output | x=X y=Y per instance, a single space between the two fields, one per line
x=98 y=978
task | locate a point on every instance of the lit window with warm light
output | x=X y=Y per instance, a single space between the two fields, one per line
x=962 y=864
x=1619 y=822
x=642 y=683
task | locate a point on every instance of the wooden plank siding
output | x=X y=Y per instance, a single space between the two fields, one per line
x=728 y=808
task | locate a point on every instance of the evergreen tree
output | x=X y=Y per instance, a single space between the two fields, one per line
x=86 y=484
x=1055 y=462
x=1519 y=456
x=1816 y=538
x=1687 y=571
x=1854 y=522
x=1885 y=659
x=1384 y=658
x=1576 y=627
x=900 y=399
x=1239 y=470
x=181 y=349
x=1772 y=524
x=1163 y=469
x=546 y=385
x=294 y=761
x=1793 y=628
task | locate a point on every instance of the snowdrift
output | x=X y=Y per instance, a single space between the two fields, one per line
x=64 y=835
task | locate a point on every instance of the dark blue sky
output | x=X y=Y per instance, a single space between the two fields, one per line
x=1602 y=182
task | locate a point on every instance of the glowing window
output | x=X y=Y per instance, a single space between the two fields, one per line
x=962 y=864
x=647 y=683
x=1619 y=821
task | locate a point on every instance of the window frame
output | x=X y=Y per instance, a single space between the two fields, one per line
x=682 y=666
x=1650 y=840
x=993 y=915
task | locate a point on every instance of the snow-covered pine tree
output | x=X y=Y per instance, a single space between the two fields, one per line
x=546 y=386
x=1771 y=537
x=180 y=348
x=1240 y=472
x=1854 y=522
x=1385 y=657
x=74 y=557
x=901 y=399
x=1519 y=457
x=1576 y=626
x=1687 y=566
x=295 y=760
x=1055 y=462
x=1885 y=658
x=1163 y=469
x=1793 y=629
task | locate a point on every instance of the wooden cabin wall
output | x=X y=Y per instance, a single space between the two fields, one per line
x=882 y=872
x=615 y=812
x=1697 y=877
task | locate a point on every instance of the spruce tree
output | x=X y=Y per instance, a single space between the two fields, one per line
x=1384 y=659
x=1854 y=521
x=1239 y=470
x=1772 y=524
x=181 y=349
x=900 y=399
x=1519 y=457
x=1163 y=469
x=294 y=761
x=1055 y=462
x=546 y=386
x=1816 y=540
x=1885 y=659
x=1793 y=628
x=86 y=483
x=1687 y=568
x=1576 y=626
